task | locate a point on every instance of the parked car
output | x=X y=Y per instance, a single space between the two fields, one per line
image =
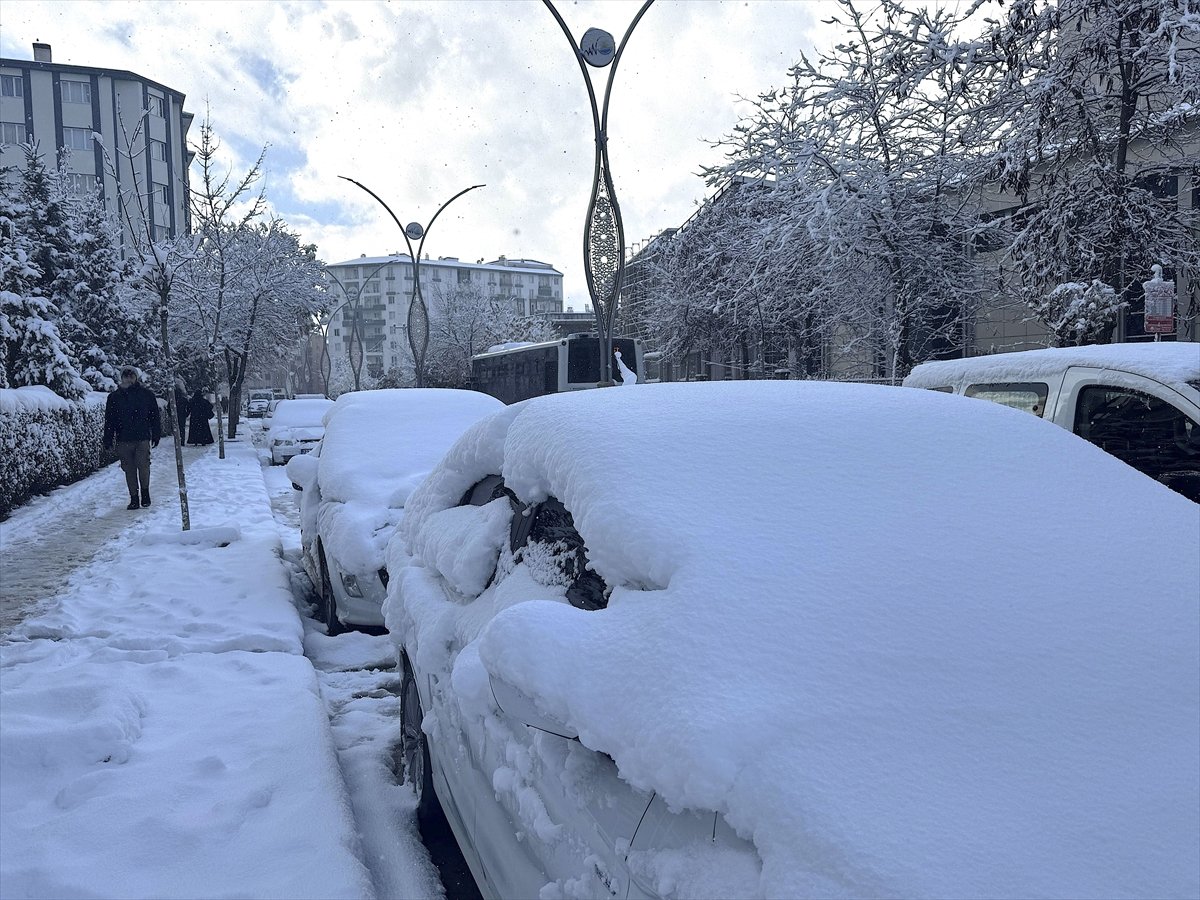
x=267 y=416
x=377 y=446
x=296 y=427
x=258 y=403
x=779 y=639
x=1139 y=402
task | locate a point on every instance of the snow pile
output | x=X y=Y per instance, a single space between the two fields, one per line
x=160 y=732
x=377 y=447
x=46 y=441
x=836 y=622
x=1172 y=362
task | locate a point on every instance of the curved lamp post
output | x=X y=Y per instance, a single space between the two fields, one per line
x=418 y=313
x=603 y=232
x=355 y=335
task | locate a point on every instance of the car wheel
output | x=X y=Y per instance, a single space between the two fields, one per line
x=414 y=747
x=327 y=608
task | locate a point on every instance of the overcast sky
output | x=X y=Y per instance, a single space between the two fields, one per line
x=419 y=100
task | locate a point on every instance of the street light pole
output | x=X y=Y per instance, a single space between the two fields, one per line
x=603 y=231
x=355 y=333
x=418 y=312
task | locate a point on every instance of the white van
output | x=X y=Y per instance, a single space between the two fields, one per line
x=1139 y=402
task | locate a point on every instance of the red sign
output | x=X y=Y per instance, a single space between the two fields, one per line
x=1160 y=307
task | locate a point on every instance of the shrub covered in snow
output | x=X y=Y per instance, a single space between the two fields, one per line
x=46 y=441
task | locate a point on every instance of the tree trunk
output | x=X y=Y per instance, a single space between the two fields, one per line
x=174 y=413
x=235 y=373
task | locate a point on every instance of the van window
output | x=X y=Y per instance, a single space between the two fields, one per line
x=1146 y=432
x=1029 y=396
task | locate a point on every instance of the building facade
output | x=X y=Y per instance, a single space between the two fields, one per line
x=142 y=158
x=378 y=290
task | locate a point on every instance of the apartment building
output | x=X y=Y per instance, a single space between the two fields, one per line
x=378 y=289
x=142 y=125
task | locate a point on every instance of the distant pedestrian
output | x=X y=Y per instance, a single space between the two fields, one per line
x=181 y=408
x=132 y=421
x=200 y=410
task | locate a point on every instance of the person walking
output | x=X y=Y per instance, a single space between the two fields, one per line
x=200 y=410
x=132 y=422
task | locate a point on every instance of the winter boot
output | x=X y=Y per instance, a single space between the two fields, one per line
x=145 y=500
x=133 y=503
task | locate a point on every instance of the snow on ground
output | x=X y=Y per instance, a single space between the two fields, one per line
x=360 y=686
x=161 y=733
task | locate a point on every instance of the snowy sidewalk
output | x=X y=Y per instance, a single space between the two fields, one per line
x=161 y=732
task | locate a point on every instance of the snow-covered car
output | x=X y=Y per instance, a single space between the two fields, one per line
x=296 y=427
x=377 y=447
x=778 y=639
x=270 y=413
x=1140 y=402
x=259 y=401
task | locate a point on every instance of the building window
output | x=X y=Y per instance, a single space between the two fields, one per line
x=12 y=133
x=337 y=332
x=160 y=194
x=157 y=108
x=80 y=185
x=77 y=138
x=158 y=150
x=161 y=232
x=76 y=91
x=12 y=86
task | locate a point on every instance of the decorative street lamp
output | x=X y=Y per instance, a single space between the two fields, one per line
x=603 y=232
x=356 y=340
x=418 y=313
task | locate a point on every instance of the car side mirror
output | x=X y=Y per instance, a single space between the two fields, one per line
x=520 y=706
x=302 y=470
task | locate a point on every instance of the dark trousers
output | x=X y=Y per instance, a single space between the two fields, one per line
x=135 y=461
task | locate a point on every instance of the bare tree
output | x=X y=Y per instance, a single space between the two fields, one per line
x=158 y=265
x=1097 y=95
x=222 y=208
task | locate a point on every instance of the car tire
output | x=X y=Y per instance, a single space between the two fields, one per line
x=327 y=608
x=414 y=750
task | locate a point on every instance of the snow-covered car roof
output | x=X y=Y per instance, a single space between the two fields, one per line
x=1171 y=362
x=908 y=644
x=377 y=447
x=379 y=444
x=300 y=412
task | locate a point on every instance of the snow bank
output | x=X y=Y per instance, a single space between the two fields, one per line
x=907 y=644
x=1173 y=362
x=46 y=442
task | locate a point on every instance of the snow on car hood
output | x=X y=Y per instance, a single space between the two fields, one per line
x=377 y=447
x=908 y=644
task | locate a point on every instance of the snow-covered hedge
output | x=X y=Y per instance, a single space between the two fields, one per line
x=46 y=441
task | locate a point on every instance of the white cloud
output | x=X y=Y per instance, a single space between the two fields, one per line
x=420 y=99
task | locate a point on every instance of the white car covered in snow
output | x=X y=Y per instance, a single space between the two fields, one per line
x=377 y=447
x=296 y=427
x=779 y=639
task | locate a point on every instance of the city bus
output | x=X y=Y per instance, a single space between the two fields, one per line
x=567 y=364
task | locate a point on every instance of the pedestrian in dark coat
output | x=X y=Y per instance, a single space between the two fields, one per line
x=181 y=410
x=200 y=410
x=132 y=422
